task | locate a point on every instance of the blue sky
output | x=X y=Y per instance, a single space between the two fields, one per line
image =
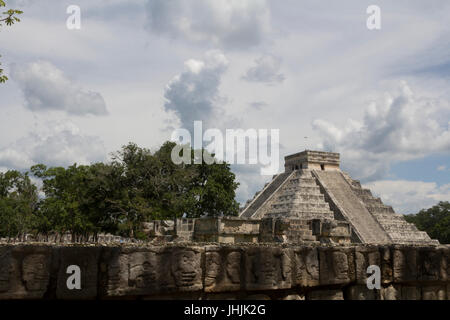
x=139 y=69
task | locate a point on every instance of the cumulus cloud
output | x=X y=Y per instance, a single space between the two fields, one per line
x=402 y=127
x=266 y=70
x=194 y=94
x=45 y=87
x=409 y=196
x=55 y=144
x=231 y=23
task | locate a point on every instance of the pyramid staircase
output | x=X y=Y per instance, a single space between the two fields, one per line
x=398 y=229
x=300 y=198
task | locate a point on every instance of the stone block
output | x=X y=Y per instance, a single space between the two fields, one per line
x=405 y=264
x=325 y=295
x=6 y=269
x=153 y=270
x=387 y=272
x=392 y=292
x=429 y=264
x=223 y=267
x=268 y=268
x=306 y=267
x=434 y=293
x=293 y=297
x=361 y=292
x=26 y=271
x=410 y=293
x=364 y=257
x=87 y=259
x=336 y=265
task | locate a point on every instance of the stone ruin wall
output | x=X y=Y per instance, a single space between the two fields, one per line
x=212 y=271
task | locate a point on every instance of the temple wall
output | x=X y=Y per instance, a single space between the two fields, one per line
x=211 y=271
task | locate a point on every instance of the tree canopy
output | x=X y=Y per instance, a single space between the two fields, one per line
x=435 y=221
x=115 y=197
x=8 y=17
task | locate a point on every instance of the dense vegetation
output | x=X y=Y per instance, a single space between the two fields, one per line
x=115 y=197
x=435 y=221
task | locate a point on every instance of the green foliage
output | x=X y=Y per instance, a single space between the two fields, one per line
x=117 y=197
x=8 y=17
x=435 y=221
x=18 y=202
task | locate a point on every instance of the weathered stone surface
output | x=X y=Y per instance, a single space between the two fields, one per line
x=25 y=272
x=154 y=270
x=223 y=269
x=361 y=292
x=268 y=268
x=364 y=257
x=306 y=267
x=325 y=295
x=405 y=264
x=434 y=293
x=392 y=292
x=336 y=266
x=294 y=297
x=190 y=271
x=387 y=272
x=429 y=264
x=410 y=293
x=6 y=269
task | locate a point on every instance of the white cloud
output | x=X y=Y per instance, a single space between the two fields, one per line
x=194 y=93
x=409 y=196
x=442 y=168
x=45 y=87
x=400 y=128
x=54 y=144
x=266 y=70
x=231 y=23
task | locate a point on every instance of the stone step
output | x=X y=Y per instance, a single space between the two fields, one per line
x=380 y=209
x=302 y=214
x=311 y=198
x=371 y=201
x=265 y=194
x=302 y=189
x=306 y=197
x=363 y=192
x=300 y=205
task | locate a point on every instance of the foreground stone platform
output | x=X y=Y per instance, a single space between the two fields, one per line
x=211 y=271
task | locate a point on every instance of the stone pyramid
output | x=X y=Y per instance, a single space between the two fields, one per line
x=314 y=187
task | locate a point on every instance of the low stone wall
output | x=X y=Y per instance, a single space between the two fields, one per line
x=211 y=271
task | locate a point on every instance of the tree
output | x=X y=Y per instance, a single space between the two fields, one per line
x=18 y=202
x=435 y=221
x=8 y=17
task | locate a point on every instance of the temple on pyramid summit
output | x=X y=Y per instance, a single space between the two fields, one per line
x=312 y=201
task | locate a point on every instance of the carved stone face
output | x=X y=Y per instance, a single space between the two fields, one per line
x=213 y=263
x=340 y=265
x=142 y=272
x=184 y=268
x=35 y=272
x=233 y=266
x=265 y=268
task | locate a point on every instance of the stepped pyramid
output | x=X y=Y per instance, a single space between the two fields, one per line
x=313 y=187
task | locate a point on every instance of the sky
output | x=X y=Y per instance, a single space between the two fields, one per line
x=137 y=70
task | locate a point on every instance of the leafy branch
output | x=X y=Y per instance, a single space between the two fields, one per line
x=8 y=17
